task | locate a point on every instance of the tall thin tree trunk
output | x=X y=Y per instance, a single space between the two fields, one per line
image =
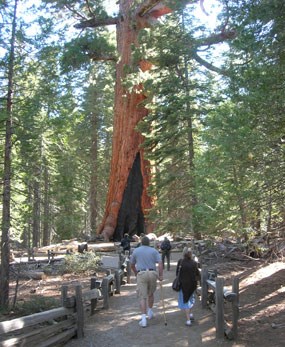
x=6 y=218
x=46 y=216
x=36 y=212
x=94 y=175
x=30 y=218
x=269 y=216
x=256 y=222
x=191 y=151
x=241 y=204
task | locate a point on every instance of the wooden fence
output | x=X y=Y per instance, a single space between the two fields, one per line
x=214 y=289
x=57 y=326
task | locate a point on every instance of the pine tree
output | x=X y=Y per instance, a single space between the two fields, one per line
x=6 y=213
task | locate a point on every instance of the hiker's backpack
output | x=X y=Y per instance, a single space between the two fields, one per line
x=165 y=245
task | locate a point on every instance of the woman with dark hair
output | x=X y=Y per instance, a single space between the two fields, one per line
x=189 y=274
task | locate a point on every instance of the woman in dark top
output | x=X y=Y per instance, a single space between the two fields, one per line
x=189 y=274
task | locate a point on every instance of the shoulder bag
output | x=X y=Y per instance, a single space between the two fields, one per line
x=176 y=284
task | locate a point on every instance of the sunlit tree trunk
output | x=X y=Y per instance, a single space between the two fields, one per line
x=127 y=201
x=191 y=152
x=94 y=173
x=126 y=140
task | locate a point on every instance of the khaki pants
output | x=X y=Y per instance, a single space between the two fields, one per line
x=146 y=283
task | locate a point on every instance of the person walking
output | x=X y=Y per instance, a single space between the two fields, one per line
x=165 y=252
x=140 y=240
x=126 y=243
x=144 y=260
x=189 y=274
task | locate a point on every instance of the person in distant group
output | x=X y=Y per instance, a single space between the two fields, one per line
x=126 y=243
x=189 y=274
x=143 y=263
x=165 y=252
x=140 y=241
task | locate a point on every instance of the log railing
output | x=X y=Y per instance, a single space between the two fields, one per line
x=57 y=326
x=220 y=296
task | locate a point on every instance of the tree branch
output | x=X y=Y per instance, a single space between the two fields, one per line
x=74 y=11
x=101 y=57
x=209 y=41
x=209 y=65
x=203 y=8
x=93 y=22
x=146 y=6
x=89 y=7
x=158 y=8
x=216 y=38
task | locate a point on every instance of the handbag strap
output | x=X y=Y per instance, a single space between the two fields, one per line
x=179 y=267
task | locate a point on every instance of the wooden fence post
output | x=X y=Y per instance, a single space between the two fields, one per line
x=235 y=307
x=204 y=287
x=31 y=254
x=79 y=311
x=128 y=270
x=105 y=292
x=93 y=285
x=121 y=259
x=64 y=290
x=118 y=281
x=219 y=307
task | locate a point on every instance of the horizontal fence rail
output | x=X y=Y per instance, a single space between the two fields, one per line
x=57 y=326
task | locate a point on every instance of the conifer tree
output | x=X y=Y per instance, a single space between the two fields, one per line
x=8 y=119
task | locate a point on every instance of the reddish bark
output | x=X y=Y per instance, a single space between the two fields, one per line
x=127 y=141
x=127 y=200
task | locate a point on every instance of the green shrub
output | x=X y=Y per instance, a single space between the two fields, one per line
x=86 y=262
x=34 y=305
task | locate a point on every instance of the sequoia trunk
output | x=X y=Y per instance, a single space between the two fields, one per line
x=126 y=143
x=127 y=199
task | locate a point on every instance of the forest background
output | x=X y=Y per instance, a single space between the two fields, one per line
x=215 y=134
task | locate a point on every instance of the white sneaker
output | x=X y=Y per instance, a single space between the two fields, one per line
x=143 y=323
x=188 y=323
x=150 y=313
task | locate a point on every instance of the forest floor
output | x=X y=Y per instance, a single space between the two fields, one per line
x=261 y=321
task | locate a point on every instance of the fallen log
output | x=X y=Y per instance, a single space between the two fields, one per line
x=228 y=295
x=35 y=275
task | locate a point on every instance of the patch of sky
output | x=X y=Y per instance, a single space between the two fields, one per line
x=34 y=14
x=206 y=19
x=111 y=7
x=207 y=14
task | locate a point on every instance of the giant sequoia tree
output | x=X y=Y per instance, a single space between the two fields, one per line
x=127 y=199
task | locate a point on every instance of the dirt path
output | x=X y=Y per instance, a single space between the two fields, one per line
x=118 y=326
x=261 y=322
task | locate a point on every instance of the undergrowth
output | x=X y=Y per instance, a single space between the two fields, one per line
x=86 y=262
x=34 y=305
